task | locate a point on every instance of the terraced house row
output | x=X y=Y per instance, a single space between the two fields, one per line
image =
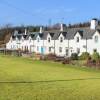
x=60 y=42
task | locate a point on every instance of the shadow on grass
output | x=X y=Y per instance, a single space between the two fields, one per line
x=49 y=81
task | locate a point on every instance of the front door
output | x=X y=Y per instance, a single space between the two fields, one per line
x=42 y=50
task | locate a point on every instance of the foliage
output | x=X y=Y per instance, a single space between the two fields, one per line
x=74 y=56
x=50 y=56
x=67 y=61
x=95 y=56
x=84 y=56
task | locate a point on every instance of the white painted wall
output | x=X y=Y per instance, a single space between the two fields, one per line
x=49 y=45
x=62 y=45
x=74 y=45
x=11 y=45
x=38 y=43
x=71 y=45
x=91 y=44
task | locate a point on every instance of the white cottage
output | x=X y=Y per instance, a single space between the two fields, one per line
x=61 y=42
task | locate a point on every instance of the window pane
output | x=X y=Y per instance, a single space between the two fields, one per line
x=77 y=39
x=61 y=39
x=96 y=39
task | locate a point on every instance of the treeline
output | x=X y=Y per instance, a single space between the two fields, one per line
x=9 y=29
x=5 y=32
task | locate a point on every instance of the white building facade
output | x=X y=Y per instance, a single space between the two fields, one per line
x=62 y=42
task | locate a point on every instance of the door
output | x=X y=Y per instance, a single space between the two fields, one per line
x=42 y=50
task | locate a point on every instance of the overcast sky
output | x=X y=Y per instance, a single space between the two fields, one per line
x=30 y=12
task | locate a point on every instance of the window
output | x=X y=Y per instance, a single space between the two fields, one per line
x=30 y=40
x=77 y=39
x=49 y=40
x=84 y=46
x=96 y=39
x=61 y=39
x=78 y=50
x=49 y=49
x=67 y=52
x=60 y=49
x=37 y=48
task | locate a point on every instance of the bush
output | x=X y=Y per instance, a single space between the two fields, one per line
x=50 y=56
x=95 y=56
x=74 y=56
x=66 y=61
x=84 y=56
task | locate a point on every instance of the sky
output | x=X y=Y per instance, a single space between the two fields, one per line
x=45 y=12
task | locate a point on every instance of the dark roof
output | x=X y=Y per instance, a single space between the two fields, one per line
x=69 y=33
x=25 y=36
x=32 y=35
x=45 y=34
x=19 y=37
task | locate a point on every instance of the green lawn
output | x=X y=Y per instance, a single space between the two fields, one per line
x=25 y=79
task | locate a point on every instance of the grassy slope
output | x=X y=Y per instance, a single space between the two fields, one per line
x=50 y=81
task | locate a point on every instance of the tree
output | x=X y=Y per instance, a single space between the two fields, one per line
x=95 y=56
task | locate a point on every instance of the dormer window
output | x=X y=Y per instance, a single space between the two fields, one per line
x=61 y=39
x=30 y=40
x=77 y=39
x=49 y=40
x=96 y=39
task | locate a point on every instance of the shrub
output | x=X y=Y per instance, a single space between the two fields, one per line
x=74 y=56
x=95 y=56
x=84 y=56
x=51 y=56
x=66 y=61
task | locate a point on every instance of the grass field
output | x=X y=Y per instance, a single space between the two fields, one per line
x=25 y=79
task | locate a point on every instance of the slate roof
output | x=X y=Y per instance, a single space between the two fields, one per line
x=19 y=37
x=45 y=34
x=25 y=37
x=85 y=33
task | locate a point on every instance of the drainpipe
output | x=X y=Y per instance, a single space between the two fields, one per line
x=54 y=46
x=86 y=44
x=33 y=47
x=68 y=48
x=43 y=46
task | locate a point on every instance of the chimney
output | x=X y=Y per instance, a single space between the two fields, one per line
x=41 y=29
x=15 y=32
x=94 y=24
x=61 y=28
x=25 y=31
